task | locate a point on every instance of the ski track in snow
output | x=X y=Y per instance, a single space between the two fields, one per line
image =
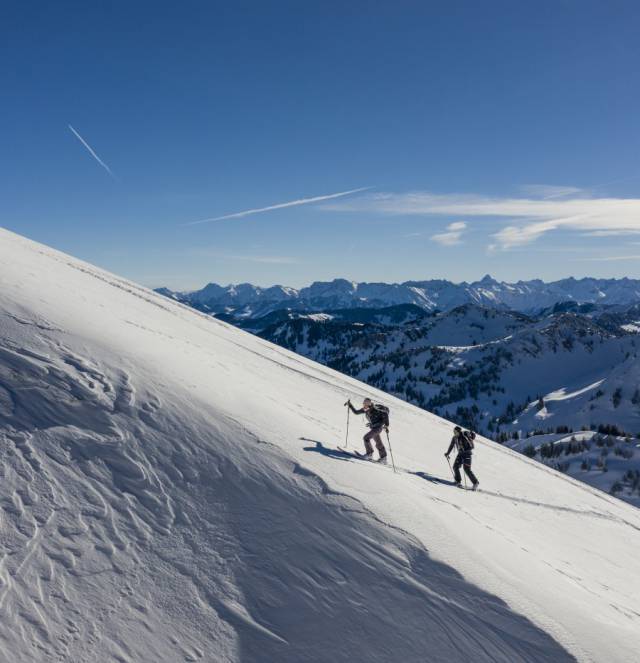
x=170 y=491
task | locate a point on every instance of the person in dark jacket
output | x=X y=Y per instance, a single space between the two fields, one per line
x=463 y=442
x=377 y=419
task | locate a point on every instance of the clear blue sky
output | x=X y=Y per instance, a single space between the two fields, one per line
x=450 y=111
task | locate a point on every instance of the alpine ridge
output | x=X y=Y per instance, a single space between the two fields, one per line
x=246 y=300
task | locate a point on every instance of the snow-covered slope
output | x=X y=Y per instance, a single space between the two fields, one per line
x=499 y=361
x=609 y=462
x=501 y=373
x=170 y=491
x=398 y=315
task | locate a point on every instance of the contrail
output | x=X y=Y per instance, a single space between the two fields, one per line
x=91 y=151
x=292 y=203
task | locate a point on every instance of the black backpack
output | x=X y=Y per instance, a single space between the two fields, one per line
x=466 y=440
x=383 y=412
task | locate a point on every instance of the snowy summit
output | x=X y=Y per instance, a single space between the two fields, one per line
x=171 y=491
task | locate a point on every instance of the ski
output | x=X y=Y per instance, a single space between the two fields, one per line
x=360 y=456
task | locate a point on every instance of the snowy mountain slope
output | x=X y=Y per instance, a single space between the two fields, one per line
x=398 y=315
x=159 y=503
x=500 y=361
x=488 y=369
x=328 y=338
x=606 y=461
x=246 y=300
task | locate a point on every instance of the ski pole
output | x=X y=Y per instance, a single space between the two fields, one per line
x=451 y=468
x=346 y=437
x=386 y=430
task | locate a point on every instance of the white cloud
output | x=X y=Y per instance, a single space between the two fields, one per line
x=548 y=191
x=452 y=235
x=291 y=203
x=529 y=219
x=612 y=233
x=607 y=258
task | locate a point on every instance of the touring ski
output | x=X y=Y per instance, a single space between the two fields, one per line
x=361 y=456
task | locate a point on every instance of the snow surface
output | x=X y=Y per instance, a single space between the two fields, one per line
x=318 y=317
x=604 y=462
x=170 y=491
x=562 y=394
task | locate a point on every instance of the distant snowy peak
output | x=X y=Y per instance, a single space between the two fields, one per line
x=240 y=294
x=532 y=296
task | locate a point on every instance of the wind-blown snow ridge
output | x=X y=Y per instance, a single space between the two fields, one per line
x=157 y=503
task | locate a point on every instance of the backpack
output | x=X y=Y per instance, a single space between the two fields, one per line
x=383 y=412
x=466 y=440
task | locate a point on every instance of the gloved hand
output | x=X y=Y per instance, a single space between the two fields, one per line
x=347 y=403
x=446 y=456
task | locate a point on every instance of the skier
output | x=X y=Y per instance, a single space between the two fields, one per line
x=463 y=442
x=377 y=418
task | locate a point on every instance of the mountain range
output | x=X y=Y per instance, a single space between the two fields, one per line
x=246 y=300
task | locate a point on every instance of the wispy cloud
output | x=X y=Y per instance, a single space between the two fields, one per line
x=91 y=151
x=529 y=218
x=607 y=258
x=291 y=203
x=612 y=233
x=452 y=236
x=550 y=191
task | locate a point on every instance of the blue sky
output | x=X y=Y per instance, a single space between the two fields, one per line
x=498 y=137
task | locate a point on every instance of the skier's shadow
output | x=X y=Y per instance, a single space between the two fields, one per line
x=432 y=479
x=326 y=451
x=330 y=452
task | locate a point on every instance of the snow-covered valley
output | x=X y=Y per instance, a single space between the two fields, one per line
x=170 y=490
